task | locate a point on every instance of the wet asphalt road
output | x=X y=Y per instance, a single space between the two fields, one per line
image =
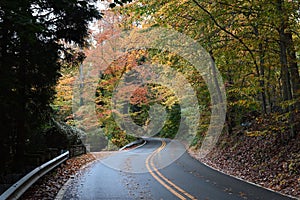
x=160 y=169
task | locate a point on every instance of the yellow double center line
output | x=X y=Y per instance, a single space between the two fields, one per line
x=169 y=185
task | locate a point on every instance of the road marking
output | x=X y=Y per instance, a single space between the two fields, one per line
x=176 y=190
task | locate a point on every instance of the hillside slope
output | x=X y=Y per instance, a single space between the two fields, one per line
x=259 y=156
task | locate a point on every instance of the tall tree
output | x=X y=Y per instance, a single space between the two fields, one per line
x=33 y=38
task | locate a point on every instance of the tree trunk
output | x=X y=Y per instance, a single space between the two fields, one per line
x=295 y=79
x=260 y=71
x=286 y=80
x=262 y=79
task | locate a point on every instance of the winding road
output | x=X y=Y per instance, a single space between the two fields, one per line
x=159 y=169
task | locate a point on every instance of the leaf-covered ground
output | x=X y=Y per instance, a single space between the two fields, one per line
x=49 y=185
x=262 y=157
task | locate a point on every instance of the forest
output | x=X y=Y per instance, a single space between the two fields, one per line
x=46 y=48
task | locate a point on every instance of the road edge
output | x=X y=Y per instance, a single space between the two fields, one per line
x=236 y=177
x=63 y=189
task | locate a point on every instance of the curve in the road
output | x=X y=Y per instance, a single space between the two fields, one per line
x=150 y=172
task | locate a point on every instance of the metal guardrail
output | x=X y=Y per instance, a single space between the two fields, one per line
x=17 y=189
x=137 y=142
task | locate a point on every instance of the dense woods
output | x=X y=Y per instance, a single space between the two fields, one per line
x=254 y=44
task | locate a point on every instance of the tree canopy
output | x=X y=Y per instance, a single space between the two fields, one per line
x=255 y=46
